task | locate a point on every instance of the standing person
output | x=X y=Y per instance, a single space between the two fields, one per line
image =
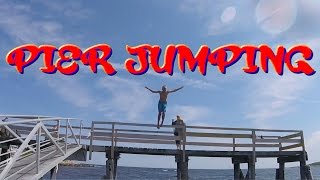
x=162 y=104
x=178 y=131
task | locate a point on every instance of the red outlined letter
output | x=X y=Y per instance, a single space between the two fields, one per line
x=16 y=57
x=251 y=52
x=75 y=54
x=266 y=55
x=302 y=64
x=48 y=55
x=219 y=56
x=185 y=56
x=168 y=61
x=142 y=53
x=91 y=57
x=169 y=58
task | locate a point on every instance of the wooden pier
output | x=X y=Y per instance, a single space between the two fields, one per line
x=241 y=145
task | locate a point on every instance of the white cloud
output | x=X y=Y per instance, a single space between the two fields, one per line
x=128 y=99
x=72 y=9
x=191 y=114
x=19 y=22
x=178 y=77
x=181 y=78
x=311 y=8
x=273 y=97
x=209 y=11
x=69 y=89
x=313 y=147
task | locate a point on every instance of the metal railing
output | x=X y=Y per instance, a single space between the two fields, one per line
x=37 y=136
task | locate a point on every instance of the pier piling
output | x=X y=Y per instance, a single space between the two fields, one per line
x=111 y=165
x=238 y=174
x=280 y=171
x=182 y=167
x=252 y=168
x=303 y=164
x=53 y=173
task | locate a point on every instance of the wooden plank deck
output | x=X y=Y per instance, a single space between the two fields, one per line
x=197 y=153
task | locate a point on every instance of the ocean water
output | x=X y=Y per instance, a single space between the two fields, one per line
x=133 y=173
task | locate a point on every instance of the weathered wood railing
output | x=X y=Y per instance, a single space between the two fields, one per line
x=196 y=136
x=256 y=138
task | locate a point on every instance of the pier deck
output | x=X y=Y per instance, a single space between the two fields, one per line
x=196 y=153
x=47 y=141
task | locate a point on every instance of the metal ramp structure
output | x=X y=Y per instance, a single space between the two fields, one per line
x=40 y=145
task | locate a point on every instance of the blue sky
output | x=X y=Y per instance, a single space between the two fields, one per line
x=235 y=99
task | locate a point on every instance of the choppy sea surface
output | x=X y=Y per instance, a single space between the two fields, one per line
x=132 y=173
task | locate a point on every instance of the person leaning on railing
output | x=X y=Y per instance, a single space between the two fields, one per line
x=178 y=131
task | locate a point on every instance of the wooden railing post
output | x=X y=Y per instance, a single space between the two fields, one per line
x=280 y=144
x=252 y=160
x=234 y=144
x=115 y=137
x=112 y=151
x=303 y=159
x=184 y=144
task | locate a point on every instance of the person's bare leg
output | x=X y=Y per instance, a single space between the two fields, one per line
x=159 y=116
x=163 y=116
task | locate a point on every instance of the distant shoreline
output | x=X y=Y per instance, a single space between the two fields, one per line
x=75 y=164
x=315 y=164
x=69 y=163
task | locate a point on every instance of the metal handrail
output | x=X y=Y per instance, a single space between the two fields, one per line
x=38 y=130
x=33 y=120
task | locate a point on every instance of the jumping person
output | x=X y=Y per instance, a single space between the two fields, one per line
x=162 y=104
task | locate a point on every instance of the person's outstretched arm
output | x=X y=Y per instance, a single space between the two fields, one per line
x=171 y=91
x=152 y=90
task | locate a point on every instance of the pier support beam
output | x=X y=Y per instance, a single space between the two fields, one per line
x=280 y=171
x=182 y=167
x=308 y=173
x=238 y=175
x=53 y=173
x=281 y=161
x=251 y=168
x=111 y=165
x=251 y=174
x=303 y=164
